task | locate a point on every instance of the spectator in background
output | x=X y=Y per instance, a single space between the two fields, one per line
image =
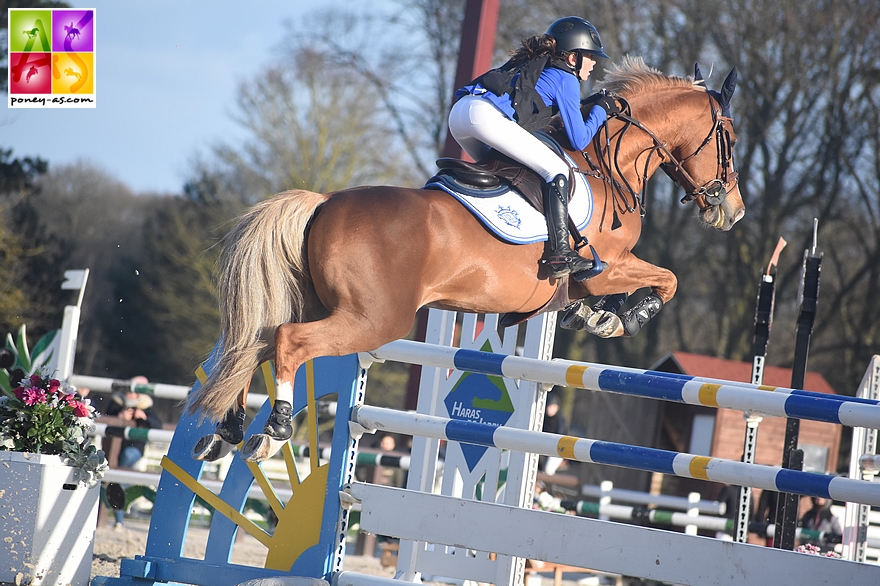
x=133 y=409
x=766 y=511
x=554 y=422
x=820 y=518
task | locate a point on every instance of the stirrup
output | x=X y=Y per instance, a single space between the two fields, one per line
x=565 y=264
x=561 y=265
x=595 y=270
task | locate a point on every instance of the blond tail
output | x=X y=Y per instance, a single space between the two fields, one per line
x=262 y=274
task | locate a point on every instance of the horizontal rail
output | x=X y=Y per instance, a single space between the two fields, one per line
x=660 y=500
x=622 y=455
x=870 y=463
x=140 y=434
x=748 y=398
x=705 y=522
x=135 y=478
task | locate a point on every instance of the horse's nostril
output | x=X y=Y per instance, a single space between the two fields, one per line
x=739 y=215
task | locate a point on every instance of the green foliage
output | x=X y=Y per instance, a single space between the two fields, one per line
x=169 y=310
x=28 y=281
x=27 y=361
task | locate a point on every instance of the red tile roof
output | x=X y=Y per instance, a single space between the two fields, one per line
x=707 y=366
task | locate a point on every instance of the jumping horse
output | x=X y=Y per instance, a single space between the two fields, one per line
x=304 y=274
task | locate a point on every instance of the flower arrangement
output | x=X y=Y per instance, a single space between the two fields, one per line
x=812 y=549
x=44 y=416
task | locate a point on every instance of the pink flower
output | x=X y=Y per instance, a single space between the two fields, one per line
x=19 y=393
x=36 y=379
x=80 y=409
x=70 y=400
x=54 y=385
x=33 y=396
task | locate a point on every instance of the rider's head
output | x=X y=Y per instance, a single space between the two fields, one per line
x=575 y=39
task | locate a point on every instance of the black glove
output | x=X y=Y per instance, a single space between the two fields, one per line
x=608 y=104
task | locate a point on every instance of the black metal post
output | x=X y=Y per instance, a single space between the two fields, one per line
x=792 y=457
x=763 y=323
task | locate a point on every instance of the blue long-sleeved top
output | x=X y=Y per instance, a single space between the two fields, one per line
x=560 y=90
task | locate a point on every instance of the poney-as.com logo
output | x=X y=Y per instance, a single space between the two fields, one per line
x=51 y=58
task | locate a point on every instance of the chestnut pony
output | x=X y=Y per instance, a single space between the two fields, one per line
x=305 y=275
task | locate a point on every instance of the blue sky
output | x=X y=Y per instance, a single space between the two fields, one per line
x=166 y=79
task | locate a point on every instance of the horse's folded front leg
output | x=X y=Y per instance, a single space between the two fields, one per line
x=602 y=319
x=642 y=313
x=602 y=323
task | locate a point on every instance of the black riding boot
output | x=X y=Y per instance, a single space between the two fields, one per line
x=558 y=254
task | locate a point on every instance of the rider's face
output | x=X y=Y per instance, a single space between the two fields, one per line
x=587 y=65
x=586 y=68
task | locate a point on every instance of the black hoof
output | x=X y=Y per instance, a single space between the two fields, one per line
x=575 y=317
x=211 y=448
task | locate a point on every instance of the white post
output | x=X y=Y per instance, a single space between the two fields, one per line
x=864 y=442
x=74 y=281
x=605 y=488
x=693 y=511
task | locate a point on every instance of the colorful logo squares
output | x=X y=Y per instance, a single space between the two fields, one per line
x=51 y=58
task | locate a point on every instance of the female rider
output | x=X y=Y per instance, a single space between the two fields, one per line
x=501 y=108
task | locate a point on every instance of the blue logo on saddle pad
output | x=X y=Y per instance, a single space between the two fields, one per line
x=509 y=216
x=478 y=398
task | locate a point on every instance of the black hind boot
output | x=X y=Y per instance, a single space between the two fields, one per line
x=558 y=254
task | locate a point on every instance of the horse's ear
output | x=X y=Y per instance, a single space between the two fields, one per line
x=727 y=89
x=698 y=76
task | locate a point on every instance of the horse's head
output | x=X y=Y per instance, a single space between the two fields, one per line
x=691 y=134
x=707 y=172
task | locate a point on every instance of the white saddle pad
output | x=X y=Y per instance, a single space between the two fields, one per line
x=514 y=220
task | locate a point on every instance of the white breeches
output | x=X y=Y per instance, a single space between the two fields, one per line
x=478 y=125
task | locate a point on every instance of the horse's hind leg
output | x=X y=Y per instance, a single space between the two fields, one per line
x=295 y=343
x=228 y=433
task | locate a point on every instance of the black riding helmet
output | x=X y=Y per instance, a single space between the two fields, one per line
x=573 y=34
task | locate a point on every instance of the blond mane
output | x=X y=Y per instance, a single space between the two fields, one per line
x=633 y=76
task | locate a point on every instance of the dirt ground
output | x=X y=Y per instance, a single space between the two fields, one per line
x=112 y=545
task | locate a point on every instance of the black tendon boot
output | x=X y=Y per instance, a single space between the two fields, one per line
x=558 y=255
x=279 y=426
x=231 y=429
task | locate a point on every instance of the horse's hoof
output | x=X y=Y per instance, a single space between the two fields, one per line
x=260 y=447
x=576 y=316
x=605 y=325
x=211 y=448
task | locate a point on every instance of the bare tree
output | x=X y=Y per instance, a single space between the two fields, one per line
x=311 y=127
x=408 y=75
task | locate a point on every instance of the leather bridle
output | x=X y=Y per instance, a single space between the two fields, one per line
x=711 y=193
x=715 y=190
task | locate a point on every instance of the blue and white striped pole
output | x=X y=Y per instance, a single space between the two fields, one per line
x=763 y=399
x=623 y=455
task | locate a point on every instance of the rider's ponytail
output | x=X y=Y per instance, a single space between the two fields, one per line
x=532 y=47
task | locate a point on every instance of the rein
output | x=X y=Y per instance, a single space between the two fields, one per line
x=713 y=192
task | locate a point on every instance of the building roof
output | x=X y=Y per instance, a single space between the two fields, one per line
x=734 y=370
